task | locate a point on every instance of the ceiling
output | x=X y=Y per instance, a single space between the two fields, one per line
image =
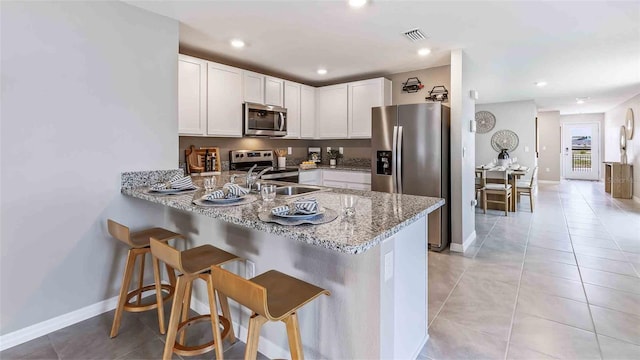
x=580 y=48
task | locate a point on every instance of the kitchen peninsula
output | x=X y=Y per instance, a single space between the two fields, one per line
x=375 y=265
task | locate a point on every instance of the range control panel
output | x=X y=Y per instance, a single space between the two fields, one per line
x=240 y=156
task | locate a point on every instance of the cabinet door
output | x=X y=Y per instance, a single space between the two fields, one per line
x=274 y=91
x=253 y=87
x=292 y=103
x=224 y=101
x=308 y=112
x=359 y=186
x=331 y=102
x=310 y=177
x=192 y=95
x=334 y=184
x=364 y=95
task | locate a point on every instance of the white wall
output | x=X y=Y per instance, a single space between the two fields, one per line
x=517 y=116
x=88 y=90
x=462 y=153
x=613 y=119
x=587 y=118
x=549 y=137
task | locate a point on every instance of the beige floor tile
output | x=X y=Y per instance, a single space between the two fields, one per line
x=613 y=299
x=611 y=254
x=553 y=269
x=555 y=308
x=616 y=324
x=448 y=340
x=618 y=267
x=611 y=280
x=553 y=338
x=552 y=285
x=482 y=305
x=613 y=349
x=498 y=272
x=535 y=253
x=36 y=349
x=551 y=244
x=597 y=243
x=519 y=352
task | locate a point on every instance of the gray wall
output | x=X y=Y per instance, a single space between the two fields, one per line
x=462 y=152
x=88 y=91
x=517 y=116
x=430 y=77
x=549 y=134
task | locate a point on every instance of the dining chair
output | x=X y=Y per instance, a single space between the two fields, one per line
x=480 y=183
x=525 y=187
x=501 y=188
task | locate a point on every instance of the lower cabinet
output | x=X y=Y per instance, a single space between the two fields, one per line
x=336 y=178
x=310 y=177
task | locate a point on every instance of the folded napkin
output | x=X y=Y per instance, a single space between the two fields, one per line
x=215 y=195
x=178 y=182
x=499 y=168
x=300 y=207
x=235 y=190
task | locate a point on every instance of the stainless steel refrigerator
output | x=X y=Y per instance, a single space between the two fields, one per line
x=410 y=155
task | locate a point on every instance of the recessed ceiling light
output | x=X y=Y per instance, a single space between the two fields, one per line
x=322 y=71
x=424 y=52
x=357 y=3
x=541 y=83
x=237 y=43
x=582 y=100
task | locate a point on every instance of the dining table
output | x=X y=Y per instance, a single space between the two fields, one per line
x=513 y=173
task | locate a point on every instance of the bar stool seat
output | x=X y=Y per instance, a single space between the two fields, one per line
x=272 y=296
x=138 y=243
x=195 y=263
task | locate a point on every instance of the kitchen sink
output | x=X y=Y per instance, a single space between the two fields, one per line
x=296 y=190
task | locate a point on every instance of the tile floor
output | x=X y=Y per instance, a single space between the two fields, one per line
x=560 y=283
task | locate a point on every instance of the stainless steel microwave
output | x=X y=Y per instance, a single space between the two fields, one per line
x=264 y=120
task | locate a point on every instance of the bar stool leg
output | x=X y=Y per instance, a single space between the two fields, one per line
x=186 y=306
x=141 y=277
x=156 y=278
x=174 y=320
x=172 y=275
x=215 y=323
x=226 y=313
x=255 y=324
x=124 y=289
x=293 y=333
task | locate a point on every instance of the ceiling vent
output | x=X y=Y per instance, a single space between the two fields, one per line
x=415 y=35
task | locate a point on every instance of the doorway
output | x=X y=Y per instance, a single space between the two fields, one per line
x=581 y=151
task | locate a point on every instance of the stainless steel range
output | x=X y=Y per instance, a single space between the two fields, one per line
x=243 y=160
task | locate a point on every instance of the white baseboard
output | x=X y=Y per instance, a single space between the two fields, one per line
x=423 y=343
x=48 y=326
x=265 y=346
x=548 y=181
x=465 y=244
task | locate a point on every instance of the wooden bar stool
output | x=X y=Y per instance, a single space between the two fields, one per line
x=139 y=247
x=193 y=264
x=272 y=296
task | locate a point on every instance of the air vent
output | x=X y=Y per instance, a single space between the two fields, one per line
x=415 y=35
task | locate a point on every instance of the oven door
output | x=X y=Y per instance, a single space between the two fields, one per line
x=264 y=120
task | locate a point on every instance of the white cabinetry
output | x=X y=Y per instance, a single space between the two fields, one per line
x=273 y=91
x=308 y=129
x=331 y=111
x=346 y=179
x=310 y=177
x=192 y=96
x=224 y=100
x=292 y=103
x=253 y=87
x=364 y=95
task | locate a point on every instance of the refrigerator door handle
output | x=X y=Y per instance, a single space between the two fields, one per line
x=394 y=156
x=399 y=160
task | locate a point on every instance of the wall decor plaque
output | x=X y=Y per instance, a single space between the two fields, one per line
x=629 y=123
x=504 y=139
x=486 y=121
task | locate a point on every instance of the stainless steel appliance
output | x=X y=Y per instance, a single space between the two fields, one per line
x=243 y=160
x=264 y=120
x=410 y=155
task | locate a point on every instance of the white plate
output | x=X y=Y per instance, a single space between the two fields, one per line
x=172 y=191
x=301 y=216
x=248 y=199
x=222 y=201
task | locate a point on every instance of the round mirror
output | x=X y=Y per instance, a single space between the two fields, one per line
x=629 y=124
x=623 y=138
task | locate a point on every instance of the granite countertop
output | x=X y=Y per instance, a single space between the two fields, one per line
x=378 y=215
x=358 y=168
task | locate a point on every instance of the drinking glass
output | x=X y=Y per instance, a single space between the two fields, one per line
x=349 y=203
x=268 y=192
x=210 y=183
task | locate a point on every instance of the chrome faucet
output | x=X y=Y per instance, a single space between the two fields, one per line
x=246 y=176
x=264 y=171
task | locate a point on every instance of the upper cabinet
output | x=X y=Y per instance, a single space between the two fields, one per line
x=253 y=87
x=364 y=95
x=192 y=96
x=273 y=91
x=331 y=111
x=308 y=128
x=224 y=100
x=292 y=103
